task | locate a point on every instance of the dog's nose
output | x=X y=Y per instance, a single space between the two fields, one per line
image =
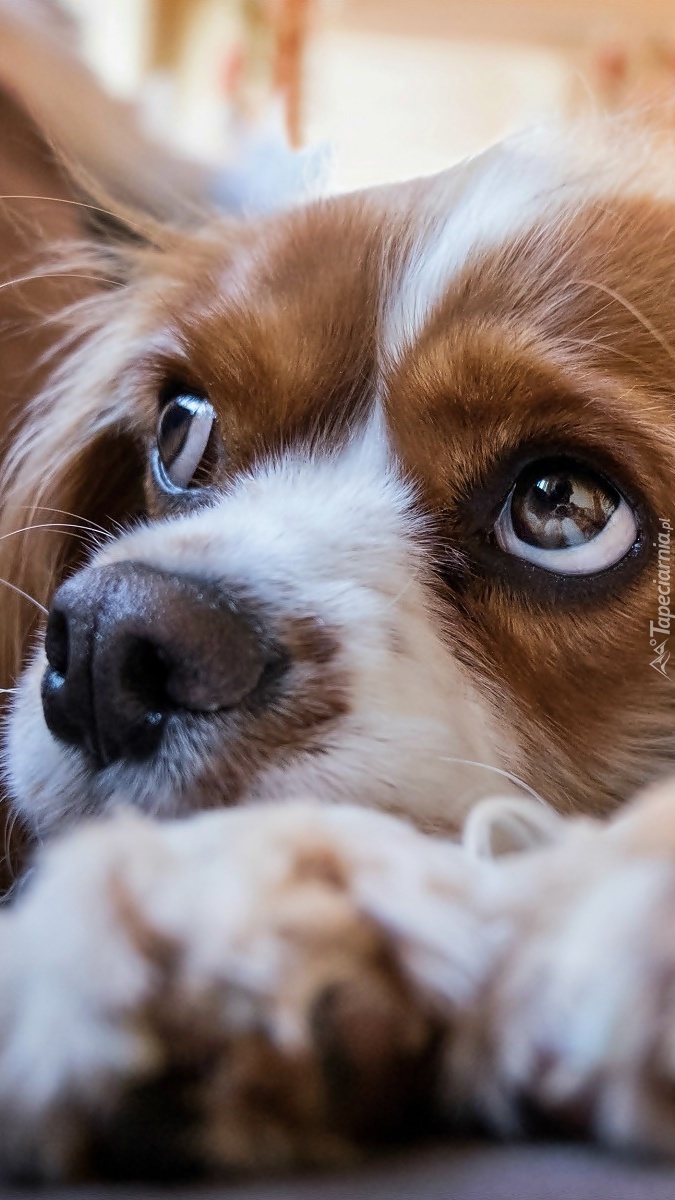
x=128 y=645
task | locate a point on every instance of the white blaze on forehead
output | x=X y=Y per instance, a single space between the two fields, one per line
x=483 y=204
x=476 y=207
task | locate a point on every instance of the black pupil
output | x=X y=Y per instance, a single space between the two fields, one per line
x=558 y=505
x=174 y=424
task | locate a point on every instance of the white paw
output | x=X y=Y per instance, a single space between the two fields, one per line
x=583 y=1015
x=228 y=992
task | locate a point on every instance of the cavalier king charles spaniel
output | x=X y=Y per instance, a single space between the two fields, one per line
x=337 y=550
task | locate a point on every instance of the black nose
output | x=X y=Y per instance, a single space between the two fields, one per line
x=128 y=645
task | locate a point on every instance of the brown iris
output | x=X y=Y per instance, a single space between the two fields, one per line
x=561 y=504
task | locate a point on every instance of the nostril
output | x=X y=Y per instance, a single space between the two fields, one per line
x=144 y=674
x=57 y=642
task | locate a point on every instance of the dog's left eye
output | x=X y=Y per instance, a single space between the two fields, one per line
x=564 y=517
x=183 y=433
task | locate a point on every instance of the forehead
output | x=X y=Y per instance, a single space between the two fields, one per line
x=492 y=281
x=281 y=332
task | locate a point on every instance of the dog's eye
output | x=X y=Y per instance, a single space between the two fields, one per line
x=183 y=433
x=564 y=517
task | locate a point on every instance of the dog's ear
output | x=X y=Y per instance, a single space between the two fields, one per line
x=40 y=68
x=48 y=526
x=45 y=275
x=84 y=198
x=76 y=164
x=72 y=477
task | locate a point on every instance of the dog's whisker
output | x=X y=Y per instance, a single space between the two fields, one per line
x=90 y=537
x=635 y=312
x=64 y=512
x=8 y=860
x=104 y=212
x=603 y=344
x=400 y=594
x=59 y=526
x=10 y=826
x=31 y=599
x=40 y=275
x=470 y=762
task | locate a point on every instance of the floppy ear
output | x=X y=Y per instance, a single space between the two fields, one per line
x=63 y=454
x=67 y=464
x=72 y=475
x=50 y=445
x=99 y=482
x=66 y=148
x=41 y=69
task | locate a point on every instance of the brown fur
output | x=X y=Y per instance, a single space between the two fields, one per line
x=529 y=339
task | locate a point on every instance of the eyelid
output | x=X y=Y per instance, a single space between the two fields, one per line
x=192 y=403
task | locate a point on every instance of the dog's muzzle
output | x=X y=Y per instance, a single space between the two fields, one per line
x=128 y=645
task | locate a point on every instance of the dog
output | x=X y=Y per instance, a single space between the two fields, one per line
x=325 y=537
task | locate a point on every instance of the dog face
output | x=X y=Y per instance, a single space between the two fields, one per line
x=401 y=468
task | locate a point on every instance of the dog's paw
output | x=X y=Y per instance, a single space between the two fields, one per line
x=263 y=988
x=224 y=993
x=582 y=1014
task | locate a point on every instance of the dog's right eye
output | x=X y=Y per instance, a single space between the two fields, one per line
x=183 y=433
x=566 y=518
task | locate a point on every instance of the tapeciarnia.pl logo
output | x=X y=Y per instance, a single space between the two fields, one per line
x=661 y=626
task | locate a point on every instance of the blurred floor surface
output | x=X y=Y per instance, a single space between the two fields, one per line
x=467 y=1172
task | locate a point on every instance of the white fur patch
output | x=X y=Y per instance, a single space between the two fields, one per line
x=482 y=204
x=331 y=538
x=475 y=208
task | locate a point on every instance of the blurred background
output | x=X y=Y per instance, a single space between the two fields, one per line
x=370 y=90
